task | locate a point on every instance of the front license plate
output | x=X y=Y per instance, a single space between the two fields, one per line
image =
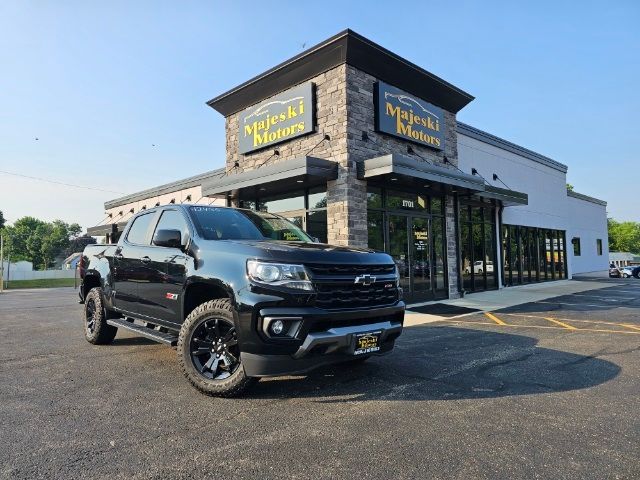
x=367 y=342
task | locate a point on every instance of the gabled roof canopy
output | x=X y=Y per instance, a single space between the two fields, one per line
x=355 y=50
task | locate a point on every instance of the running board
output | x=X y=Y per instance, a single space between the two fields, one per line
x=166 y=338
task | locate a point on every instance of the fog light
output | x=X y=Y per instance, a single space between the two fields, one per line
x=277 y=327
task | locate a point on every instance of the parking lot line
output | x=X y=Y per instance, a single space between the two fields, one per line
x=544 y=327
x=597 y=322
x=609 y=299
x=494 y=318
x=629 y=326
x=558 y=322
x=575 y=304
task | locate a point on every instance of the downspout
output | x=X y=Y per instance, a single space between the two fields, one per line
x=456 y=216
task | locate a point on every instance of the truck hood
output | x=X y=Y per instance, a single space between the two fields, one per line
x=299 y=252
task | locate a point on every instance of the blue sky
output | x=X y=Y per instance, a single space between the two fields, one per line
x=100 y=83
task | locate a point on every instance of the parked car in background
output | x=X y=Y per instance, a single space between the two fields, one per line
x=627 y=272
x=614 y=272
x=478 y=267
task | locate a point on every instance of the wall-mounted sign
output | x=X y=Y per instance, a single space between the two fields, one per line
x=288 y=115
x=408 y=117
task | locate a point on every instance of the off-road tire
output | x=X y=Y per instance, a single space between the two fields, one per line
x=231 y=386
x=96 y=329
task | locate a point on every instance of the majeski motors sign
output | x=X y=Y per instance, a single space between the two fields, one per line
x=287 y=115
x=405 y=116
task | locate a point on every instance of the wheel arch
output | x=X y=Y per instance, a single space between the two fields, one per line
x=92 y=279
x=199 y=291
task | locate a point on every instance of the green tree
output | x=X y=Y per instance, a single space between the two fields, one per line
x=569 y=187
x=624 y=236
x=39 y=242
x=2 y=220
x=77 y=244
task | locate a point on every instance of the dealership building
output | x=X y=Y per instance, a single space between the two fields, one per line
x=362 y=148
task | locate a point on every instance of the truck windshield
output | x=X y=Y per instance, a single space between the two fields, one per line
x=217 y=223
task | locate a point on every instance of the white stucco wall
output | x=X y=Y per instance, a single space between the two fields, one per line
x=588 y=222
x=178 y=196
x=549 y=205
x=545 y=186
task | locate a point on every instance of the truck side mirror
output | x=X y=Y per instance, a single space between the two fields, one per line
x=167 y=238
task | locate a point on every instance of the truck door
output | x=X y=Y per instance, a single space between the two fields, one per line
x=168 y=266
x=129 y=269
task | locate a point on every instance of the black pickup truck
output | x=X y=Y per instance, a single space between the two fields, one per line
x=241 y=294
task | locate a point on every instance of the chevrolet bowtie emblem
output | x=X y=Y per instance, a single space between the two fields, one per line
x=365 y=279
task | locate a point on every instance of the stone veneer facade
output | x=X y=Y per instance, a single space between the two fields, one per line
x=344 y=110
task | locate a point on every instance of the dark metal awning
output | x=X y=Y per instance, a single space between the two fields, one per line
x=303 y=172
x=394 y=166
x=106 y=229
x=509 y=198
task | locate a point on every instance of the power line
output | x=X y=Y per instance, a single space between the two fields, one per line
x=59 y=183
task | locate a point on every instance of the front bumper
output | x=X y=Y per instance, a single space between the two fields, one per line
x=319 y=348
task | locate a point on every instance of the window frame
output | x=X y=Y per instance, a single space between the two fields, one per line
x=147 y=235
x=297 y=212
x=187 y=221
x=575 y=242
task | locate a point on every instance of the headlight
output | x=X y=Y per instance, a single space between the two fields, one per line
x=280 y=274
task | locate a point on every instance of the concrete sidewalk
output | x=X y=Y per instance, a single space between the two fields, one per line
x=506 y=297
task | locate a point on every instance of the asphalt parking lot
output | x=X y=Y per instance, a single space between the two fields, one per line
x=548 y=389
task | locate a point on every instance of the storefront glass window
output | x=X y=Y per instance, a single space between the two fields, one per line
x=249 y=204
x=374 y=197
x=489 y=256
x=292 y=205
x=477 y=248
x=317 y=198
x=411 y=228
x=477 y=214
x=467 y=259
x=479 y=267
x=375 y=230
x=437 y=228
x=437 y=206
x=514 y=266
x=281 y=203
x=317 y=224
x=406 y=201
x=533 y=254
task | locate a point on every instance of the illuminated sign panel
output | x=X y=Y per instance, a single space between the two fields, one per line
x=285 y=116
x=408 y=117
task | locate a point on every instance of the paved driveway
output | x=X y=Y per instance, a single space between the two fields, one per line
x=549 y=390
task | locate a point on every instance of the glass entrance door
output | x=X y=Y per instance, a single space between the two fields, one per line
x=419 y=256
x=399 y=248
x=411 y=246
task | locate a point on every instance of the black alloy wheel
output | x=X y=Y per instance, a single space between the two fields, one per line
x=214 y=349
x=96 y=329
x=90 y=316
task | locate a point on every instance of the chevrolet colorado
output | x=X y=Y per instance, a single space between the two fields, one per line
x=241 y=294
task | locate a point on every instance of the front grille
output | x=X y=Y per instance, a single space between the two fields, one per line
x=319 y=269
x=336 y=288
x=345 y=295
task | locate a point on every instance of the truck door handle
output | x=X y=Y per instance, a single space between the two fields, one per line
x=145 y=259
